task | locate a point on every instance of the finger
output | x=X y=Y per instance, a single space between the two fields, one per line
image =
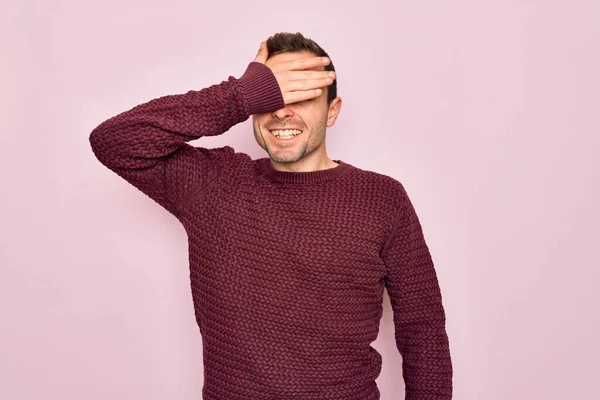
x=306 y=84
x=300 y=75
x=263 y=53
x=301 y=64
x=294 y=97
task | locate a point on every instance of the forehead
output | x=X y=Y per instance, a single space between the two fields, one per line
x=294 y=56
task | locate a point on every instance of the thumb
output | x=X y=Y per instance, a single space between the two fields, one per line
x=263 y=53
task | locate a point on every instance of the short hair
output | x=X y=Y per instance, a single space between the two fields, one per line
x=285 y=42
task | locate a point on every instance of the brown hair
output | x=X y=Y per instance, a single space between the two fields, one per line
x=285 y=42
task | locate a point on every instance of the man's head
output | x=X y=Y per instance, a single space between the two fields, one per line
x=312 y=116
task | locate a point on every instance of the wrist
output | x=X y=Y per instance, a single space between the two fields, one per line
x=260 y=88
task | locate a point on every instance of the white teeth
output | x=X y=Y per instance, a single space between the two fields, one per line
x=286 y=133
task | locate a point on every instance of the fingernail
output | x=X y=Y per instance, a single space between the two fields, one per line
x=325 y=59
x=332 y=74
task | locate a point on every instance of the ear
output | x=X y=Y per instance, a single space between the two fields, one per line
x=334 y=110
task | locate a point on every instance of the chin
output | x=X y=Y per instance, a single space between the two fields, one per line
x=284 y=159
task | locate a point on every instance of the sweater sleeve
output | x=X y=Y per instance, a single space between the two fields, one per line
x=147 y=144
x=419 y=317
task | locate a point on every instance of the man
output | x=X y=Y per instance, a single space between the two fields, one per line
x=289 y=254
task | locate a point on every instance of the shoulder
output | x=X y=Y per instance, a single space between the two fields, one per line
x=385 y=187
x=226 y=156
x=210 y=161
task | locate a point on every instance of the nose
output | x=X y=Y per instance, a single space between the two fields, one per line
x=283 y=113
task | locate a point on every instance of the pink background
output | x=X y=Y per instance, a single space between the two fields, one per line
x=487 y=111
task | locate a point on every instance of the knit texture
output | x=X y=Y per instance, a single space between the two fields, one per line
x=287 y=269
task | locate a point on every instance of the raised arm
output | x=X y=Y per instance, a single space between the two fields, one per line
x=147 y=144
x=419 y=316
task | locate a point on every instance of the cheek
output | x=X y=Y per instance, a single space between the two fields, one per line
x=256 y=123
x=317 y=116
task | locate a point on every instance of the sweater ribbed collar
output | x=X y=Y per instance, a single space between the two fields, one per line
x=304 y=177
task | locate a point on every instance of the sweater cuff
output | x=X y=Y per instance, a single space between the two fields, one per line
x=261 y=89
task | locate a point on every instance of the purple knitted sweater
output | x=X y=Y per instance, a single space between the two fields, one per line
x=287 y=269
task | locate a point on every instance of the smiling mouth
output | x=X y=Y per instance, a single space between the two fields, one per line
x=285 y=133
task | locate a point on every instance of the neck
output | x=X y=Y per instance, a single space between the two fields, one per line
x=304 y=177
x=306 y=164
